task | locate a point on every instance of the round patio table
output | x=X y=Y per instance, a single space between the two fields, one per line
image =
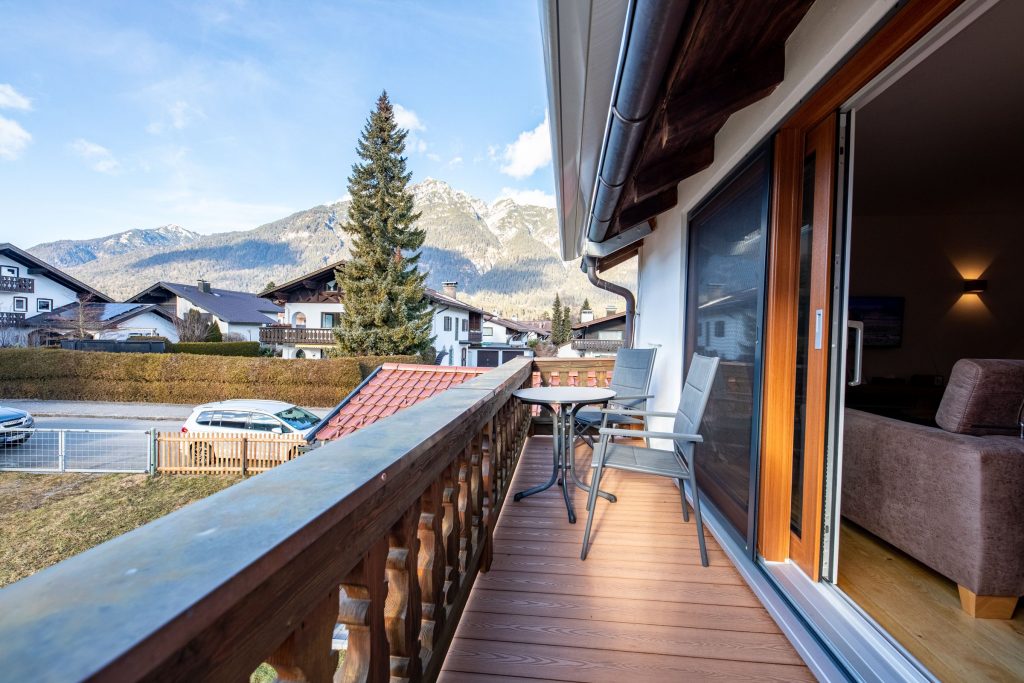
x=563 y=403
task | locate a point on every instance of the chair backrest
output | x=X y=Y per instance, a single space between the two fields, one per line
x=632 y=374
x=694 y=400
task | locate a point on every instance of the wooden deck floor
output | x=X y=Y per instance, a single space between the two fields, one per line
x=641 y=608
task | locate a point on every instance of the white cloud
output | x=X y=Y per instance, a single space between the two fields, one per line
x=531 y=197
x=13 y=139
x=420 y=146
x=433 y=157
x=179 y=114
x=455 y=162
x=408 y=119
x=12 y=99
x=101 y=159
x=530 y=151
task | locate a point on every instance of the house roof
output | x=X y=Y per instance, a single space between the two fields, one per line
x=516 y=325
x=230 y=306
x=598 y=321
x=318 y=275
x=96 y=316
x=390 y=388
x=28 y=260
x=445 y=300
x=541 y=325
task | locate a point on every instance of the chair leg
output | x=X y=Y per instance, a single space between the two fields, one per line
x=682 y=499
x=595 y=486
x=696 y=513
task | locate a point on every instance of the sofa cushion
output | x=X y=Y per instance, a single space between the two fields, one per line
x=984 y=396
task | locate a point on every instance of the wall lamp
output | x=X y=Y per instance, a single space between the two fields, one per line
x=975 y=286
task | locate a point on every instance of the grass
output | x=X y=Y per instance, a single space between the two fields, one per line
x=46 y=518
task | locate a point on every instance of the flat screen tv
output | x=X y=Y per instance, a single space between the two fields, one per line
x=882 y=317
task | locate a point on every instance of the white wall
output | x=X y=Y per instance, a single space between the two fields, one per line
x=248 y=331
x=450 y=340
x=830 y=29
x=149 y=324
x=45 y=288
x=312 y=312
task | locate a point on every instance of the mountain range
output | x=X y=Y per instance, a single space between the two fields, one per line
x=503 y=254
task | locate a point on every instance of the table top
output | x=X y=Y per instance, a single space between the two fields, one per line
x=564 y=395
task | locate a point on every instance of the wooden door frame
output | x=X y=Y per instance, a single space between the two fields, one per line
x=903 y=30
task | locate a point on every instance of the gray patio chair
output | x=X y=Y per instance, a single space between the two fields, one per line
x=631 y=377
x=677 y=463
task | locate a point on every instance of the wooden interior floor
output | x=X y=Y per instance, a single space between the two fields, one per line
x=641 y=608
x=921 y=610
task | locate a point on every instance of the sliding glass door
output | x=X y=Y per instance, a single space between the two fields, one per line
x=725 y=308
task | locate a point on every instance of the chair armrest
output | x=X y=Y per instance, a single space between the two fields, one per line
x=644 y=434
x=636 y=413
x=631 y=398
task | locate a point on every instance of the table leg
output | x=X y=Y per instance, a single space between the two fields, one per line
x=564 y=447
x=554 y=471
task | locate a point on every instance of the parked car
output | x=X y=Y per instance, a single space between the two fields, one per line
x=14 y=426
x=243 y=416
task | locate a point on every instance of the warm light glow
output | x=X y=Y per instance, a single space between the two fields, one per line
x=971 y=266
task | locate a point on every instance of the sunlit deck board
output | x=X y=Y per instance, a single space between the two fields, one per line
x=640 y=608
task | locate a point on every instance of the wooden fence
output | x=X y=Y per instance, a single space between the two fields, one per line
x=220 y=453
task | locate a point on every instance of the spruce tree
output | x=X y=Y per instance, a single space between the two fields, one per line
x=214 y=333
x=585 y=306
x=566 y=324
x=556 y=321
x=386 y=312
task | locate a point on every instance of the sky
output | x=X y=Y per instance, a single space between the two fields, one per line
x=227 y=114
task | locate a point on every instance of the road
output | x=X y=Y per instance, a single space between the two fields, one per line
x=107 y=423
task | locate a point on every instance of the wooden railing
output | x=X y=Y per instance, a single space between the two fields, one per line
x=586 y=372
x=383 y=531
x=597 y=345
x=10 y=319
x=224 y=453
x=10 y=283
x=323 y=336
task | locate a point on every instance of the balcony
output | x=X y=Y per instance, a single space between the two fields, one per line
x=9 y=319
x=10 y=283
x=385 y=532
x=597 y=345
x=313 y=336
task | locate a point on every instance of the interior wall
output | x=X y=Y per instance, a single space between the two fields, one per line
x=925 y=259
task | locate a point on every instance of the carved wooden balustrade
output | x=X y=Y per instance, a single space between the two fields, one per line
x=586 y=372
x=383 y=531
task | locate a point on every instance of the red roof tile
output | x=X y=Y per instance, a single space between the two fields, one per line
x=394 y=387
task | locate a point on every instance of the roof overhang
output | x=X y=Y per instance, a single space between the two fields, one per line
x=26 y=259
x=627 y=129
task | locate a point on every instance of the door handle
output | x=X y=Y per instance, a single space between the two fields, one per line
x=858 y=352
x=819 y=316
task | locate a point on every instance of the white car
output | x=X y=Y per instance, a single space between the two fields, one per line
x=201 y=446
x=239 y=416
x=15 y=426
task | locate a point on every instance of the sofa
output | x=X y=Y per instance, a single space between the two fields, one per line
x=951 y=496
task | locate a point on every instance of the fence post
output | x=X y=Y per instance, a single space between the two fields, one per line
x=60 y=449
x=245 y=448
x=152 y=451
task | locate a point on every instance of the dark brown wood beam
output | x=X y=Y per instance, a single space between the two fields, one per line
x=636 y=213
x=726 y=93
x=655 y=178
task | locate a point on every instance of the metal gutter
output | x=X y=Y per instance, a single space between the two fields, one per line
x=589 y=266
x=648 y=44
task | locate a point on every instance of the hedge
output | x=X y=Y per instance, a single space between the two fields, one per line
x=237 y=348
x=56 y=374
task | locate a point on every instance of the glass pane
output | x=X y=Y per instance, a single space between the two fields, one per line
x=264 y=423
x=726 y=285
x=802 y=332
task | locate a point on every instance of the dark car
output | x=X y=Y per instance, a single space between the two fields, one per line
x=14 y=426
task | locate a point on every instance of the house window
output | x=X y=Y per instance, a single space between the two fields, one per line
x=44 y=305
x=331 y=286
x=9 y=271
x=21 y=304
x=299 y=319
x=447 y=323
x=328 y=319
x=488 y=331
x=465 y=324
x=719 y=328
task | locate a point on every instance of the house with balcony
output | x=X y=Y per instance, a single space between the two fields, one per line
x=111 y=321
x=239 y=314
x=31 y=287
x=713 y=142
x=595 y=337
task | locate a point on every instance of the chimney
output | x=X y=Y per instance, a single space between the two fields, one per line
x=586 y=315
x=609 y=310
x=204 y=286
x=450 y=288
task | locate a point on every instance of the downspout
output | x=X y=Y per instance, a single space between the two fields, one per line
x=589 y=264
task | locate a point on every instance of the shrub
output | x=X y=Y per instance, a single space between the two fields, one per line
x=56 y=374
x=235 y=348
x=214 y=334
